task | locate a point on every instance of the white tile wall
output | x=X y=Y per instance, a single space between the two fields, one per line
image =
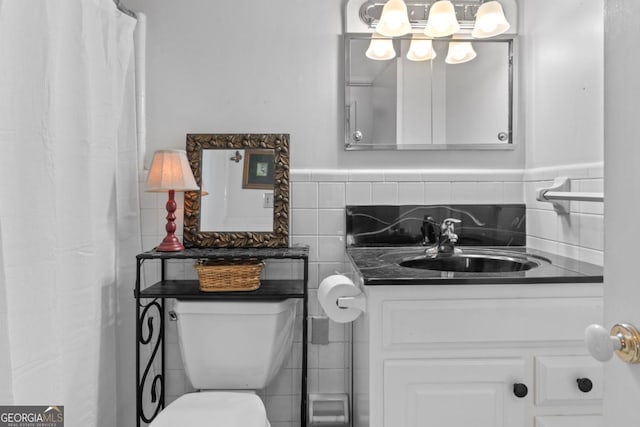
x=384 y=193
x=304 y=195
x=331 y=195
x=580 y=234
x=305 y=222
x=410 y=193
x=318 y=200
x=437 y=193
x=359 y=193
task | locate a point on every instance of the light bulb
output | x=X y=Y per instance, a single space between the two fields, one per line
x=420 y=49
x=442 y=20
x=440 y=23
x=490 y=21
x=460 y=52
x=489 y=24
x=394 y=20
x=380 y=49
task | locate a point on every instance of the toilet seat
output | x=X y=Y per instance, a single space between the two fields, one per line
x=214 y=408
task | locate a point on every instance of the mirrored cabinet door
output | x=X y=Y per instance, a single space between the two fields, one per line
x=399 y=104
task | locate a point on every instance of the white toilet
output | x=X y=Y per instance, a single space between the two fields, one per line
x=229 y=350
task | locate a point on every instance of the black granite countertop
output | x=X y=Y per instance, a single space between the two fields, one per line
x=379 y=266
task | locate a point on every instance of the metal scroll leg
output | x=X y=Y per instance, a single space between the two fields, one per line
x=150 y=340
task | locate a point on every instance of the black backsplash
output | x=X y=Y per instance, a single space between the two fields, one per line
x=482 y=225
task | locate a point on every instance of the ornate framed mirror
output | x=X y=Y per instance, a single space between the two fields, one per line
x=227 y=212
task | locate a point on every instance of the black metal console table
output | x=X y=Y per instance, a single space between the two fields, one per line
x=152 y=336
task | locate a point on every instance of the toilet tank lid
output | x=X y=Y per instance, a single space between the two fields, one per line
x=233 y=307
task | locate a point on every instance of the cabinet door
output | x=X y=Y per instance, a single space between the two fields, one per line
x=557 y=376
x=454 y=393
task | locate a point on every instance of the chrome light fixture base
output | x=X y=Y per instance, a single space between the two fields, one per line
x=368 y=13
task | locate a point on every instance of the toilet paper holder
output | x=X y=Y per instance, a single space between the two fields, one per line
x=341 y=299
x=328 y=410
x=359 y=302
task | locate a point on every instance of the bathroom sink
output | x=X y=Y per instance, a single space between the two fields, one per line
x=471 y=262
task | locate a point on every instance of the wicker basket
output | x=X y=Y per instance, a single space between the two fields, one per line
x=229 y=276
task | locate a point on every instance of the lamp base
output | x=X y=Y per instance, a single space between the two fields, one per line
x=170 y=243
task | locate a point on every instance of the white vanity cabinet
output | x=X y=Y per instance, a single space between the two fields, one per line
x=452 y=392
x=477 y=355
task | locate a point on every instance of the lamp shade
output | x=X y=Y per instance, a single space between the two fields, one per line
x=380 y=48
x=170 y=170
x=460 y=52
x=421 y=49
x=394 y=20
x=442 y=20
x=490 y=21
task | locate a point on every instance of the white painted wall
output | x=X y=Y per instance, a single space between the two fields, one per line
x=264 y=66
x=562 y=67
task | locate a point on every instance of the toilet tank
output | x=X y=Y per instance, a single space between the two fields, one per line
x=234 y=345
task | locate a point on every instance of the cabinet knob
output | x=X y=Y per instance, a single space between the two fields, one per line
x=624 y=339
x=584 y=385
x=520 y=390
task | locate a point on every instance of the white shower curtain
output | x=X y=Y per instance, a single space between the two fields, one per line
x=69 y=217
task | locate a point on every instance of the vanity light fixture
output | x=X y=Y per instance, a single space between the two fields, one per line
x=442 y=20
x=394 y=20
x=170 y=172
x=380 y=48
x=421 y=49
x=490 y=21
x=460 y=52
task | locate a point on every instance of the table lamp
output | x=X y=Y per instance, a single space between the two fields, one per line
x=170 y=171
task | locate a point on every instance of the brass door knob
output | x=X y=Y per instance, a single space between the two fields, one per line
x=624 y=340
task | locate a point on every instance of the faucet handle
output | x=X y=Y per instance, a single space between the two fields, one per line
x=447 y=229
x=448 y=224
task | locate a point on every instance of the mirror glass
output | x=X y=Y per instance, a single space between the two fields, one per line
x=244 y=190
x=401 y=104
x=237 y=190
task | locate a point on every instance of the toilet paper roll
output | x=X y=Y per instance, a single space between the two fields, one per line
x=332 y=288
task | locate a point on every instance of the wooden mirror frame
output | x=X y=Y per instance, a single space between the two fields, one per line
x=279 y=237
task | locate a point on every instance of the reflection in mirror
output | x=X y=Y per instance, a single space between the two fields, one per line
x=244 y=197
x=237 y=195
x=403 y=104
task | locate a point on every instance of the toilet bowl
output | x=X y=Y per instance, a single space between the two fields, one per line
x=229 y=350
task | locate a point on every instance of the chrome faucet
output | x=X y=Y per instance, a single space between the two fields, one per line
x=447 y=238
